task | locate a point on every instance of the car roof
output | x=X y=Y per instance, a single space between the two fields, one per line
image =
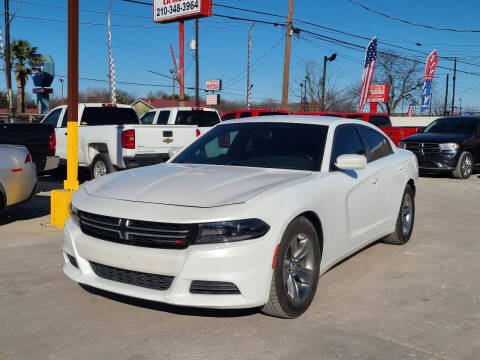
x=301 y=119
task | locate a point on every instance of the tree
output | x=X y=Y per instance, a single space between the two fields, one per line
x=23 y=55
x=403 y=76
x=336 y=99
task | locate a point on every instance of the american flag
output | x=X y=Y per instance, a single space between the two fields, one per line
x=370 y=60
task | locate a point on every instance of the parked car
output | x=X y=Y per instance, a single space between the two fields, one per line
x=18 y=177
x=110 y=138
x=238 y=114
x=383 y=122
x=39 y=139
x=450 y=144
x=250 y=214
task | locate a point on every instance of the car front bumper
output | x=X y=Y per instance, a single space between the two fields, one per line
x=246 y=264
x=437 y=161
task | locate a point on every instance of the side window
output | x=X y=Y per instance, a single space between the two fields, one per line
x=163 y=118
x=148 y=118
x=230 y=116
x=380 y=121
x=65 y=119
x=377 y=144
x=52 y=118
x=245 y=114
x=346 y=141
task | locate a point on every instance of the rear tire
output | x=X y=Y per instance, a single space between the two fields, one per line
x=464 y=167
x=101 y=165
x=296 y=272
x=405 y=220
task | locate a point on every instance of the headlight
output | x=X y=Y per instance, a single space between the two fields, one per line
x=402 y=145
x=230 y=231
x=74 y=213
x=451 y=147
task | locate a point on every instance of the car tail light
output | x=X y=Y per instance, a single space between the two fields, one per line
x=197 y=132
x=52 y=143
x=197 y=109
x=109 y=105
x=128 y=139
x=28 y=159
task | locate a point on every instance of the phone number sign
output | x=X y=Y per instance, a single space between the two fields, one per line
x=165 y=11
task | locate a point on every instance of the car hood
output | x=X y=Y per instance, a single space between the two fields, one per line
x=190 y=185
x=438 y=137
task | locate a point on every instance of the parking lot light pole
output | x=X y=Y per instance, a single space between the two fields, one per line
x=324 y=78
x=60 y=199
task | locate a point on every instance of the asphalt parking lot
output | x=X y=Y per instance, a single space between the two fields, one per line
x=418 y=301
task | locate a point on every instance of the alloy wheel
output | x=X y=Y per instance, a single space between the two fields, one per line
x=407 y=214
x=99 y=169
x=298 y=270
x=466 y=166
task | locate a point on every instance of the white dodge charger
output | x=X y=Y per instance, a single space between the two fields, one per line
x=249 y=215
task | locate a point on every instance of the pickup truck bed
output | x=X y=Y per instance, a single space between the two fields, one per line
x=39 y=139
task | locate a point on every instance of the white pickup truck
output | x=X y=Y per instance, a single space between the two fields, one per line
x=111 y=137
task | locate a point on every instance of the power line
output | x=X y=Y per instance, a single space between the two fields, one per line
x=411 y=22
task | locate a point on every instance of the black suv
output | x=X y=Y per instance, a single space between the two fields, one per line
x=450 y=144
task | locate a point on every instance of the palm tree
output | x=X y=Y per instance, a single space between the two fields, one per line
x=23 y=54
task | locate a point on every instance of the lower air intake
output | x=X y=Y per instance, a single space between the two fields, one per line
x=72 y=260
x=146 y=280
x=213 y=287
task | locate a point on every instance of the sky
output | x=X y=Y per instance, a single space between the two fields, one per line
x=140 y=45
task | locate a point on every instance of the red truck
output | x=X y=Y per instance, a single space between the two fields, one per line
x=383 y=122
x=236 y=114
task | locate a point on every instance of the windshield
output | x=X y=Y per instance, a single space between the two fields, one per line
x=453 y=125
x=266 y=145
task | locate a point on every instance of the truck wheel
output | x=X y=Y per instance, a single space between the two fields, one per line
x=101 y=165
x=296 y=272
x=464 y=166
x=405 y=220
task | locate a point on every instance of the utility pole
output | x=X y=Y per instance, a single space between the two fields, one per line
x=326 y=59
x=111 y=65
x=454 y=83
x=286 y=62
x=446 y=98
x=8 y=64
x=301 y=97
x=249 y=87
x=197 y=74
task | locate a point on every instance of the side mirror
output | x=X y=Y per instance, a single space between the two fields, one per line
x=420 y=130
x=351 y=162
x=174 y=151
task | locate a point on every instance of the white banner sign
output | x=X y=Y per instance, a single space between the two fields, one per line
x=168 y=10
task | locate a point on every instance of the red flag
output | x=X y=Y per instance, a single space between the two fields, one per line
x=431 y=66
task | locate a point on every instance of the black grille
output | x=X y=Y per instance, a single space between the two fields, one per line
x=146 y=280
x=136 y=232
x=418 y=147
x=213 y=287
x=72 y=260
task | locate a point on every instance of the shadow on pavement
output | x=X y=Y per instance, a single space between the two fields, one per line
x=39 y=206
x=178 y=310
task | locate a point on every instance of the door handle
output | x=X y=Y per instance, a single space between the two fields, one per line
x=375 y=181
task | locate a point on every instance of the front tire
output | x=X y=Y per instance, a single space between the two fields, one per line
x=296 y=272
x=464 y=167
x=101 y=165
x=405 y=220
